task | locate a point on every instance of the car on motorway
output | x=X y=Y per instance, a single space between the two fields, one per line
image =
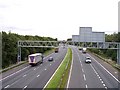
x=50 y=59
x=87 y=60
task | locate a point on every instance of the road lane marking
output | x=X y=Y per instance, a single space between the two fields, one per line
x=70 y=71
x=82 y=70
x=53 y=74
x=104 y=85
x=81 y=65
x=86 y=86
x=14 y=73
x=45 y=69
x=116 y=72
x=84 y=77
x=102 y=82
x=7 y=86
x=21 y=69
x=25 y=87
x=35 y=69
x=24 y=75
x=105 y=69
x=38 y=75
x=98 y=75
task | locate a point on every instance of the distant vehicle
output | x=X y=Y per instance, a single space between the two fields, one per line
x=84 y=50
x=50 y=59
x=88 y=60
x=56 y=50
x=35 y=58
x=80 y=48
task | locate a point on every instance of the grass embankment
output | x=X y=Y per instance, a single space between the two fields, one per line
x=60 y=78
x=109 y=61
x=23 y=62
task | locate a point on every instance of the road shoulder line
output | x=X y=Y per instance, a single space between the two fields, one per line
x=70 y=71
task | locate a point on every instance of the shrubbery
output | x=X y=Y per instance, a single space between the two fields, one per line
x=10 y=49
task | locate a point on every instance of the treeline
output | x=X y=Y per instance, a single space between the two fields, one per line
x=109 y=53
x=10 y=48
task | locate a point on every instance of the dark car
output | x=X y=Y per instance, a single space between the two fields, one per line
x=50 y=59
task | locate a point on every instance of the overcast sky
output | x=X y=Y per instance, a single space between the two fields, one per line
x=58 y=18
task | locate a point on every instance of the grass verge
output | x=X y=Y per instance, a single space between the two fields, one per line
x=60 y=78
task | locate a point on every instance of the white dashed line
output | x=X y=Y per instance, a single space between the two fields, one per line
x=81 y=65
x=86 y=86
x=98 y=76
x=38 y=75
x=7 y=86
x=24 y=75
x=82 y=70
x=102 y=82
x=84 y=77
x=105 y=69
x=45 y=69
x=116 y=72
x=50 y=64
x=35 y=69
x=104 y=85
x=14 y=73
x=25 y=87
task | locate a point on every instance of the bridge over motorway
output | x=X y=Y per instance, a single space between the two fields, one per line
x=52 y=44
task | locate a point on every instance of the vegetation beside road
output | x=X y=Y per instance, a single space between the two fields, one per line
x=108 y=55
x=10 y=49
x=60 y=78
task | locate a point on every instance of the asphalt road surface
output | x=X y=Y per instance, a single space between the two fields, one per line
x=97 y=75
x=33 y=77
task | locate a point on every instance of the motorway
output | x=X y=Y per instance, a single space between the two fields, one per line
x=34 y=77
x=98 y=74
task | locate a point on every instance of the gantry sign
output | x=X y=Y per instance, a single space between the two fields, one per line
x=52 y=44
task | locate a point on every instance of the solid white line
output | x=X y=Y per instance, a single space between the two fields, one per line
x=84 y=77
x=13 y=73
x=7 y=86
x=53 y=74
x=106 y=70
x=86 y=86
x=70 y=71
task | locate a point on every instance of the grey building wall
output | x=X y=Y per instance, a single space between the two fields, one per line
x=98 y=37
x=85 y=34
x=75 y=38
